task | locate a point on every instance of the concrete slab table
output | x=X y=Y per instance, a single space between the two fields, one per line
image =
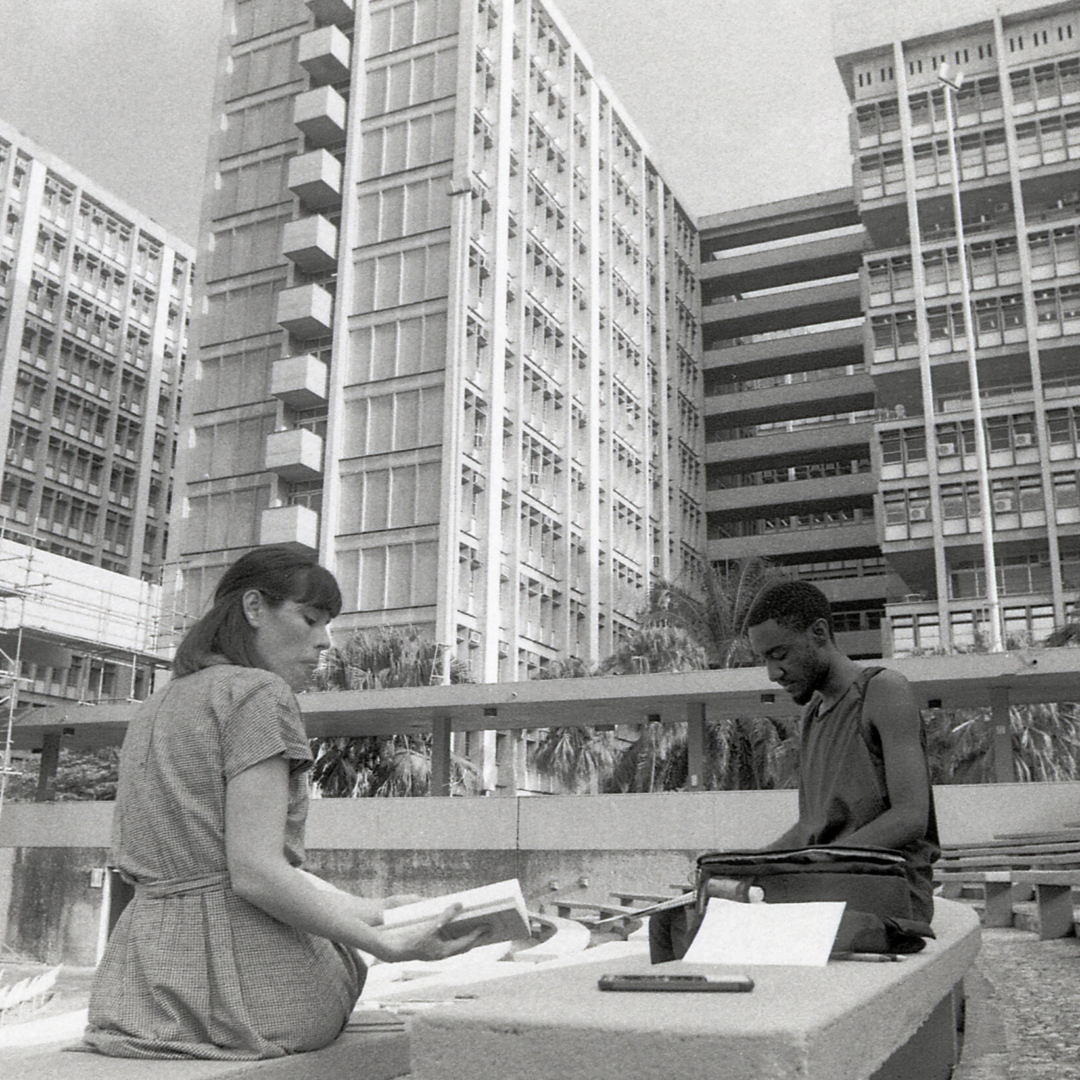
x=846 y=1021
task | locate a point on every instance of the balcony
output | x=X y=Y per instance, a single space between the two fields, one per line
x=315 y=179
x=296 y=525
x=295 y=454
x=300 y=381
x=814 y=258
x=796 y=542
x=306 y=311
x=335 y=12
x=792 y=494
x=324 y=55
x=311 y=243
x=807 y=306
x=805 y=444
x=320 y=115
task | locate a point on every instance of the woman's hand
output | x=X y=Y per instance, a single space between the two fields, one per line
x=428 y=940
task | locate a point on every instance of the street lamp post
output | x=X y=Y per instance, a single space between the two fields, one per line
x=950 y=86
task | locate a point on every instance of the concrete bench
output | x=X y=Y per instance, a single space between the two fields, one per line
x=996 y=886
x=627 y=899
x=1053 y=896
x=356 y=1054
x=988 y=866
x=844 y=1021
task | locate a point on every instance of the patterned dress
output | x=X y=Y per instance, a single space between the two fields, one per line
x=191 y=969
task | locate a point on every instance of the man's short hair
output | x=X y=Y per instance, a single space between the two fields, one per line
x=795 y=605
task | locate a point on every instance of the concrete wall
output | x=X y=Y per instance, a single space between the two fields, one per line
x=561 y=848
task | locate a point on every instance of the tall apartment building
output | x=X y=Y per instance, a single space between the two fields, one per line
x=94 y=301
x=791 y=406
x=896 y=514
x=1017 y=123
x=448 y=328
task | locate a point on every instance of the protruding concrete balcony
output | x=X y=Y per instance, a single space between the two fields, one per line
x=311 y=243
x=300 y=381
x=338 y=12
x=298 y=525
x=295 y=454
x=316 y=179
x=320 y=115
x=324 y=55
x=306 y=311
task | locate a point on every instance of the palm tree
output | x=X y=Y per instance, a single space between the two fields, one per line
x=575 y=756
x=708 y=629
x=1045 y=743
x=715 y=616
x=655 y=647
x=384 y=765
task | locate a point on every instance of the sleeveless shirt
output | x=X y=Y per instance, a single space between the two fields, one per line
x=842 y=785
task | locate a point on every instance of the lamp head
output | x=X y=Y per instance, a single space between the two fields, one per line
x=944 y=75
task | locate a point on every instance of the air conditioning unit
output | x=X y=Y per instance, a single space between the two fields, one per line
x=1004 y=506
x=534 y=479
x=946 y=449
x=918 y=513
x=1023 y=438
x=474 y=637
x=478 y=440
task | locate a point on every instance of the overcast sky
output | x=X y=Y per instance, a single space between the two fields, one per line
x=739 y=101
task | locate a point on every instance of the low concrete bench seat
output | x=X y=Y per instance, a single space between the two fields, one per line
x=357 y=1055
x=997 y=889
x=1054 y=899
x=628 y=899
x=844 y=1021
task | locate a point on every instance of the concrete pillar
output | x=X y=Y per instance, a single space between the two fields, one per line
x=695 y=746
x=1001 y=736
x=50 y=758
x=440 y=755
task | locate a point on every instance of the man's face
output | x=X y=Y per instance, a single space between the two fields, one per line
x=795 y=658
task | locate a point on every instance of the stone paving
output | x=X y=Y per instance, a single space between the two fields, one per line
x=1023 y=1020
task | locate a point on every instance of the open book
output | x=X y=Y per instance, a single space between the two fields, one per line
x=499 y=905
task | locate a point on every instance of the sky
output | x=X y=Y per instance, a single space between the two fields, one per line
x=738 y=101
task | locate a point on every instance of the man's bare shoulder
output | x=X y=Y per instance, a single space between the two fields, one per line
x=887 y=679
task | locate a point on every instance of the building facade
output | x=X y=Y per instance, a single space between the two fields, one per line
x=1017 y=146
x=790 y=404
x=94 y=303
x=448 y=329
x=839 y=322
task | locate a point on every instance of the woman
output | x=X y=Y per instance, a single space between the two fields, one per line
x=229 y=950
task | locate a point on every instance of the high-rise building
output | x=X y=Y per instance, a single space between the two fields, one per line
x=936 y=368
x=790 y=405
x=94 y=303
x=447 y=326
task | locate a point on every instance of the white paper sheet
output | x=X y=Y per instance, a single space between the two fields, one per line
x=734 y=933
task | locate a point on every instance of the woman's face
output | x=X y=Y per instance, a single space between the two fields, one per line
x=288 y=639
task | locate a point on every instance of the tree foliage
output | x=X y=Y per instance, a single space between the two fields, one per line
x=81 y=776
x=713 y=614
x=377 y=765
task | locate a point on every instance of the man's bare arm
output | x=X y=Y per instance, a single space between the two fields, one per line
x=893 y=712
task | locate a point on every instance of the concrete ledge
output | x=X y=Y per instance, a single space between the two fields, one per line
x=356 y=1055
x=841 y=1022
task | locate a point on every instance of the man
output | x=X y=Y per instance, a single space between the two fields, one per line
x=863 y=774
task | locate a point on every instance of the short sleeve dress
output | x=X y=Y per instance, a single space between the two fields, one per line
x=191 y=970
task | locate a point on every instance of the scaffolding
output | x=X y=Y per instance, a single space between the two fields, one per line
x=64 y=616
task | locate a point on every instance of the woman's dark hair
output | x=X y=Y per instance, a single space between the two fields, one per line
x=794 y=605
x=280 y=573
